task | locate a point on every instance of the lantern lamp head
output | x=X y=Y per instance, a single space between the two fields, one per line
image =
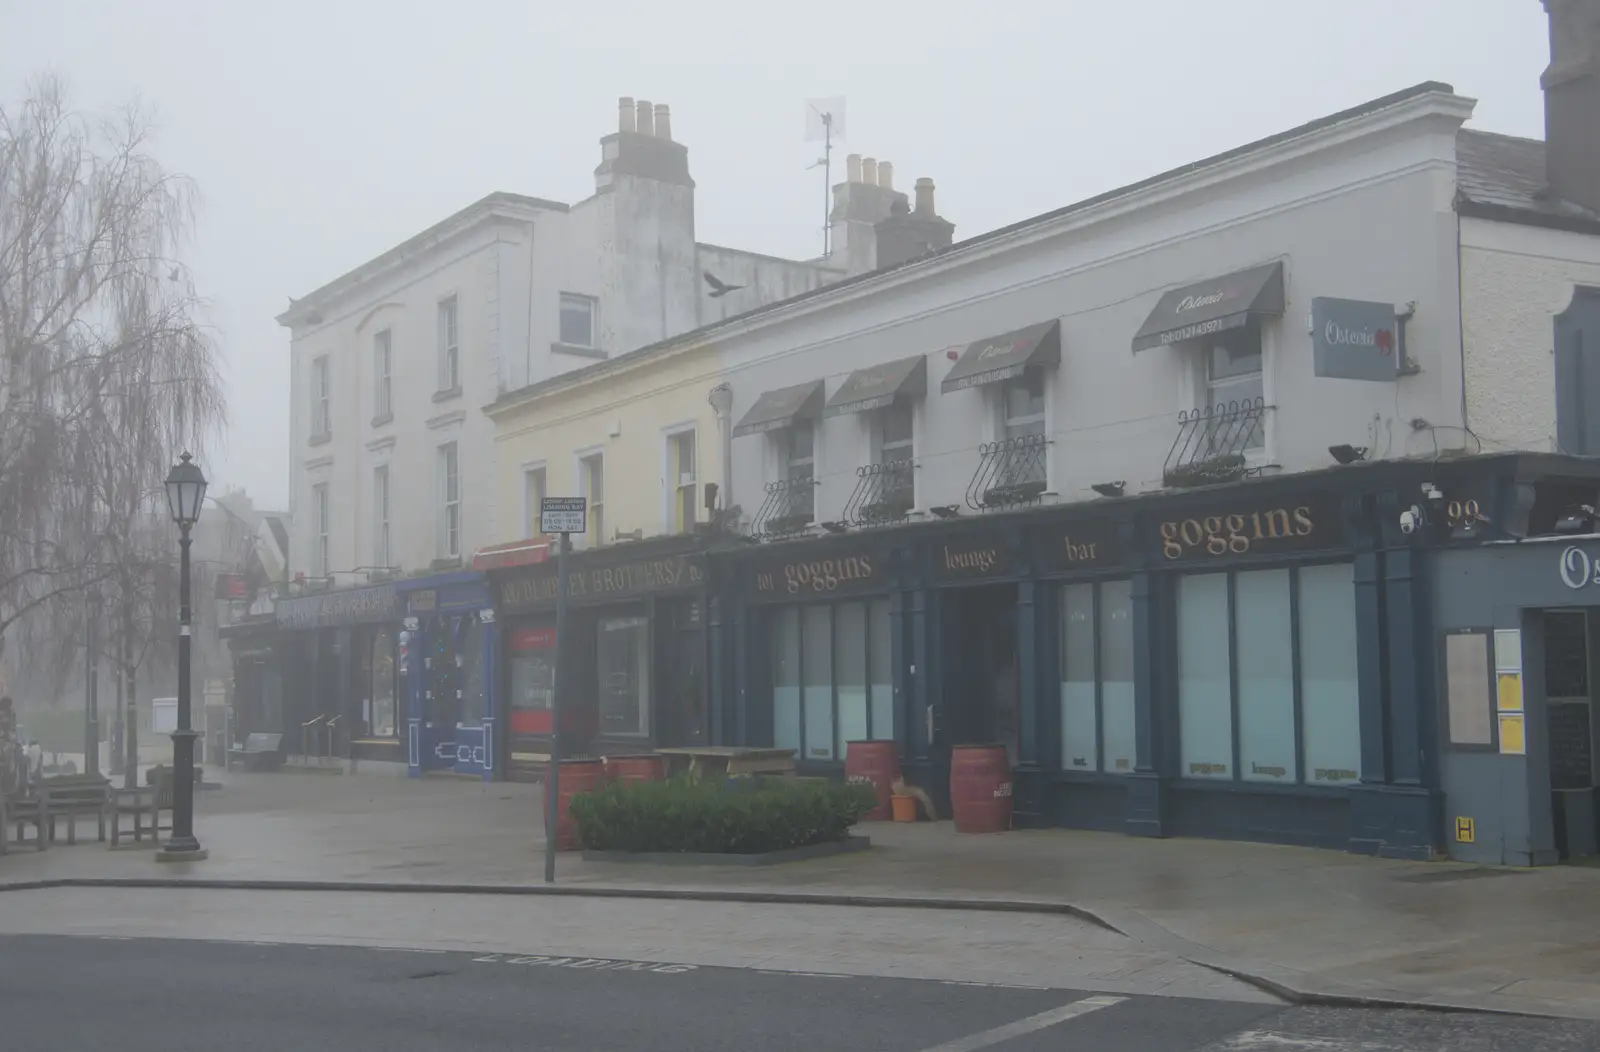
x=186 y=491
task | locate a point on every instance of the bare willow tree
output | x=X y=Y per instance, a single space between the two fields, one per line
x=107 y=373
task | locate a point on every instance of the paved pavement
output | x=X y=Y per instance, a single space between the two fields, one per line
x=1299 y=920
x=178 y=996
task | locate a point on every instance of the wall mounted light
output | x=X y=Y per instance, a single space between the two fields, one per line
x=1110 y=489
x=1347 y=454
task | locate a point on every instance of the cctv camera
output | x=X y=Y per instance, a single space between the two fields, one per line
x=1408 y=520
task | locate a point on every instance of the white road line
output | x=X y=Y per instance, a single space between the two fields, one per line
x=1270 y=1041
x=1027 y=1025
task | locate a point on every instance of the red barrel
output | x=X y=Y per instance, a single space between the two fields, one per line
x=874 y=763
x=577 y=776
x=980 y=788
x=643 y=767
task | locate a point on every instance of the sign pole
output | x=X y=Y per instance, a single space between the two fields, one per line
x=552 y=779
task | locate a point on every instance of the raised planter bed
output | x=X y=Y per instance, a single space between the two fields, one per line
x=769 y=858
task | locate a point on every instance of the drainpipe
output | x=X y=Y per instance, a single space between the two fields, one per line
x=721 y=399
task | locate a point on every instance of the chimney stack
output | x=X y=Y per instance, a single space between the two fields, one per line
x=886 y=175
x=910 y=233
x=663 y=121
x=869 y=171
x=852 y=168
x=924 y=192
x=1572 y=102
x=625 y=114
x=645 y=119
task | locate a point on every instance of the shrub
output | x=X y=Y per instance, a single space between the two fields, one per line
x=734 y=816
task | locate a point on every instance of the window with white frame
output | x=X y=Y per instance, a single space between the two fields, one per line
x=592 y=472
x=533 y=491
x=321 y=396
x=380 y=516
x=382 y=371
x=450 y=502
x=892 y=436
x=798 y=446
x=320 y=517
x=681 y=478
x=1234 y=389
x=449 y=345
x=1021 y=402
x=577 y=320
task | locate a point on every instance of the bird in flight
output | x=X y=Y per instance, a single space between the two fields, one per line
x=719 y=288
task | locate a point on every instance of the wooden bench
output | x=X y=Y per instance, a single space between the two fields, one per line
x=24 y=811
x=259 y=751
x=728 y=760
x=71 y=797
x=146 y=801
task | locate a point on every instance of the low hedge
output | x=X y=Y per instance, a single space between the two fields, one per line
x=736 y=816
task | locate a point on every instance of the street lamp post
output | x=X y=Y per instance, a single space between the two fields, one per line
x=91 y=688
x=186 y=489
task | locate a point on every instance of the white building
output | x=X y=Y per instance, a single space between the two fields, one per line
x=392 y=362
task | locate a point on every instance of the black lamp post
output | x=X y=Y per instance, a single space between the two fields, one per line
x=186 y=490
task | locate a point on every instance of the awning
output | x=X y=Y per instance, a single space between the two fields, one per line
x=880 y=386
x=779 y=409
x=1004 y=357
x=1213 y=306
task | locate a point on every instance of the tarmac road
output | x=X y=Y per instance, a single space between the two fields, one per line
x=66 y=994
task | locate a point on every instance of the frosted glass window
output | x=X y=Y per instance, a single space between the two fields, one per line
x=1116 y=677
x=786 y=679
x=1079 y=727
x=816 y=649
x=880 y=650
x=1330 y=698
x=1263 y=636
x=850 y=657
x=1205 y=706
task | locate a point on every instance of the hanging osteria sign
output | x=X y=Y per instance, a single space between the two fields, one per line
x=1292 y=524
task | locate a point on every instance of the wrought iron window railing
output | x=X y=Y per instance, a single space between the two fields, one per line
x=1212 y=443
x=789 y=508
x=884 y=494
x=1010 y=473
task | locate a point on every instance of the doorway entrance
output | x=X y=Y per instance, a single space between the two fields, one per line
x=981 y=692
x=1569 y=648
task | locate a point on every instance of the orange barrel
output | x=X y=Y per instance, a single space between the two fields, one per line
x=874 y=763
x=577 y=776
x=642 y=767
x=980 y=788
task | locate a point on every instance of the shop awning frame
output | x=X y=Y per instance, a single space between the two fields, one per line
x=880 y=386
x=780 y=408
x=1215 y=305
x=1005 y=357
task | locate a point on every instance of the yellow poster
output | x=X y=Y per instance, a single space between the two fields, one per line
x=1509 y=693
x=1511 y=741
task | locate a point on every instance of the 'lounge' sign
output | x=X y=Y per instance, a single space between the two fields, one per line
x=961 y=559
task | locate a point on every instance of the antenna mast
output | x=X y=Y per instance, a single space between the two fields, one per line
x=824 y=120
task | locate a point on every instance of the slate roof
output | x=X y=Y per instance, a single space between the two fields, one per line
x=1502 y=177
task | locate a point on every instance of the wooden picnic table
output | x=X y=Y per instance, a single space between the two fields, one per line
x=702 y=760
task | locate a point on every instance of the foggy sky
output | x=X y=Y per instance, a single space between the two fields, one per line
x=322 y=134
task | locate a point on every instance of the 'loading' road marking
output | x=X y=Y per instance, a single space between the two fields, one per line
x=593 y=964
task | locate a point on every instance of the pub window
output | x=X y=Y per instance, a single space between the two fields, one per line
x=1234 y=388
x=832 y=678
x=798 y=444
x=1097 y=677
x=385 y=681
x=474 y=685
x=1266 y=669
x=532 y=679
x=624 y=660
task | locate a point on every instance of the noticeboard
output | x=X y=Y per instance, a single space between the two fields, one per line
x=563 y=515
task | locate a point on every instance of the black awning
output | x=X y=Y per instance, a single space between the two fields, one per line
x=1004 y=357
x=1213 y=306
x=880 y=386
x=778 y=409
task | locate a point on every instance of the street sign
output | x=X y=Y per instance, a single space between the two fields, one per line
x=563 y=515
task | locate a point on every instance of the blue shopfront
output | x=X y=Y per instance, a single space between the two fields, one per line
x=449 y=648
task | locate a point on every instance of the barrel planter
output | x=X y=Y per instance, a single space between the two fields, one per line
x=980 y=788
x=643 y=767
x=874 y=763
x=577 y=776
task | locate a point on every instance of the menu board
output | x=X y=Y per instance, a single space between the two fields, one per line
x=1467 y=688
x=1571 y=745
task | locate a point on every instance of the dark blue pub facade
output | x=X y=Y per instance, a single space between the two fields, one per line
x=1253 y=660
x=449 y=649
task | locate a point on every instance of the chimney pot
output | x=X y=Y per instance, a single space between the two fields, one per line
x=924 y=191
x=869 y=171
x=852 y=168
x=886 y=175
x=1571 y=86
x=644 y=118
x=625 y=114
x=663 y=121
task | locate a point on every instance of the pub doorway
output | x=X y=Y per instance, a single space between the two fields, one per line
x=1569 y=650
x=981 y=695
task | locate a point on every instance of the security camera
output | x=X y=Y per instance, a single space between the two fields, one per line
x=1410 y=519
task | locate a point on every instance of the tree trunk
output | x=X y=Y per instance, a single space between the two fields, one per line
x=130 y=770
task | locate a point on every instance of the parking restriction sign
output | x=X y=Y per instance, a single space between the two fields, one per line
x=563 y=515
